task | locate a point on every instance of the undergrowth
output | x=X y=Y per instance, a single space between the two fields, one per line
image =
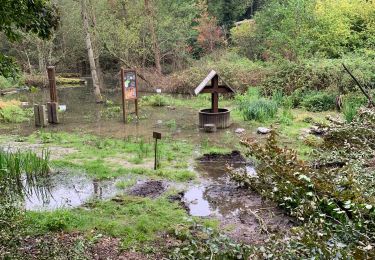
x=332 y=197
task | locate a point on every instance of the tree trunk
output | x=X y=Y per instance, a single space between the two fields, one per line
x=90 y=52
x=154 y=39
x=41 y=63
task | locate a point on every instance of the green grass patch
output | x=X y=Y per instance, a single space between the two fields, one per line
x=134 y=220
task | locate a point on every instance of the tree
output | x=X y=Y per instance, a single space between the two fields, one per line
x=90 y=52
x=37 y=16
x=209 y=33
x=149 y=7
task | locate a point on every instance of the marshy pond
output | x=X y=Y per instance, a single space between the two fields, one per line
x=242 y=213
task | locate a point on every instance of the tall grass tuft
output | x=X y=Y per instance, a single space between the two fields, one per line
x=254 y=107
x=22 y=173
x=349 y=110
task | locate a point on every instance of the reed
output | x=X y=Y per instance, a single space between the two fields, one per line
x=23 y=173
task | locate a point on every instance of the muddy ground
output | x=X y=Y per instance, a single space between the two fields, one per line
x=150 y=189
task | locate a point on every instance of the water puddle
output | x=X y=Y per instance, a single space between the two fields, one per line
x=71 y=190
x=243 y=213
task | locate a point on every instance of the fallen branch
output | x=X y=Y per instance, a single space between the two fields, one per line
x=370 y=101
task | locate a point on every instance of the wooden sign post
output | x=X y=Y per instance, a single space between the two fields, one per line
x=129 y=90
x=157 y=136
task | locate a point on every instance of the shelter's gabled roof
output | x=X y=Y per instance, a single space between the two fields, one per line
x=203 y=85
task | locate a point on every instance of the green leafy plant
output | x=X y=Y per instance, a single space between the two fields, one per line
x=319 y=101
x=156 y=100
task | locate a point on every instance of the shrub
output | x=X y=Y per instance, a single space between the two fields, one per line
x=319 y=101
x=14 y=114
x=315 y=75
x=10 y=112
x=155 y=100
x=8 y=67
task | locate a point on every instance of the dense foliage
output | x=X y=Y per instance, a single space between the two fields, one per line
x=295 y=29
x=333 y=197
x=38 y=16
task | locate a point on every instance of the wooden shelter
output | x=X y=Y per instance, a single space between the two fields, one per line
x=218 y=116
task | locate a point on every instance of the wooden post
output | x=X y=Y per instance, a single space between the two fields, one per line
x=157 y=136
x=40 y=115
x=52 y=108
x=123 y=95
x=136 y=107
x=215 y=94
x=52 y=83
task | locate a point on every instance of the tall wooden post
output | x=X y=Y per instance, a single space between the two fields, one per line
x=52 y=83
x=123 y=95
x=215 y=94
x=52 y=106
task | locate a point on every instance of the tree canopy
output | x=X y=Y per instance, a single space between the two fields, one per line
x=36 y=16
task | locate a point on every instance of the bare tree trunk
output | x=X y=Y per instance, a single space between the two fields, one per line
x=90 y=52
x=41 y=63
x=95 y=44
x=154 y=40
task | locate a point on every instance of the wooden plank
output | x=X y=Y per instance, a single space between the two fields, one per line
x=219 y=90
x=42 y=115
x=204 y=82
x=36 y=115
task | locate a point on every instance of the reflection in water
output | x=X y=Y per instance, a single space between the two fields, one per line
x=68 y=190
x=220 y=196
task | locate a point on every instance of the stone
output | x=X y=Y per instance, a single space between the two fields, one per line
x=210 y=128
x=263 y=130
x=239 y=131
x=316 y=130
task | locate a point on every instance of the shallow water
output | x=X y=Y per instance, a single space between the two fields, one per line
x=243 y=214
x=214 y=196
x=68 y=190
x=83 y=115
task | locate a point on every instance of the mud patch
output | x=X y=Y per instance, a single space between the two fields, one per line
x=233 y=157
x=71 y=246
x=150 y=189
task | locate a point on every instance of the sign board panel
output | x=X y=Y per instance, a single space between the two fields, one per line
x=156 y=135
x=130 y=84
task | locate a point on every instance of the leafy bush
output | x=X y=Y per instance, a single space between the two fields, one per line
x=319 y=74
x=200 y=242
x=332 y=198
x=10 y=112
x=319 y=101
x=254 y=107
x=8 y=67
x=325 y=28
x=156 y=100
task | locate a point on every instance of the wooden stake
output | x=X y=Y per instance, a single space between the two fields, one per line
x=215 y=94
x=52 y=83
x=123 y=96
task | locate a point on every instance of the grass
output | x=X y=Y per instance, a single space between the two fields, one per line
x=126 y=183
x=156 y=100
x=14 y=167
x=11 y=112
x=135 y=220
x=254 y=107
